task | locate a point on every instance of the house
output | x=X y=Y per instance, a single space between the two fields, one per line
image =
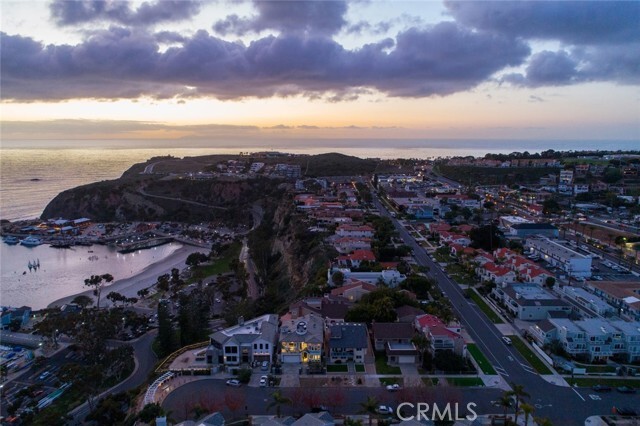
x=528 y=302
x=498 y=274
x=247 y=342
x=420 y=211
x=214 y=419
x=395 y=332
x=535 y=274
x=408 y=313
x=348 y=230
x=390 y=277
x=453 y=238
x=543 y=332
x=349 y=244
x=353 y=260
x=301 y=338
x=441 y=337
x=483 y=257
x=347 y=342
x=354 y=290
x=331 y=308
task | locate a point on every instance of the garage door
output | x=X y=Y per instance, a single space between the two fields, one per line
x=406 y=359
x=288 y=359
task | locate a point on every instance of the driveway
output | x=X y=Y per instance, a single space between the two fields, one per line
x=411 y=375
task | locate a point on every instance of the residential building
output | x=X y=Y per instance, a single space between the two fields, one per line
x=331 y=308
x=301 y=338
x=601 y=338
x=347 y=342
x=497 y=273
x=528 y=302
x=353 y=260
x=631 y=338
x=524 y=230
x=394 y=332
x=623 y=295
x=570 y=261
x=588 y=300
x=441 y=337
x=408 y=313
x=390 y=277
x=420 y=211
x=354 y=290
x=362 y=231
x=247 y=342
x=349 y=244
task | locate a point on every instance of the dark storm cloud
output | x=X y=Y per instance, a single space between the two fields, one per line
x=121 y=63
x=75 y=12
x=319 y=17
x=574 y=22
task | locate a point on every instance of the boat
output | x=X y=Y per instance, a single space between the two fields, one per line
x=31 y=241
x=11 y=240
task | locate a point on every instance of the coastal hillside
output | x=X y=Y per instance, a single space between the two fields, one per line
x=154 y=199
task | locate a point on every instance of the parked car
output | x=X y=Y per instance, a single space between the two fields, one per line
x=384 y=409
x=233 y=382
x=264 y=380
x=394 y=387
x=506 y=340
x=626 y=389
x=625 y=411
x=601 y=388
x=265 y=366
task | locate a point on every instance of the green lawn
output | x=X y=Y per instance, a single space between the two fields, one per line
x=337 y=368
x=529 y=355
x=588 y=382
x=459 y=274
x=465 y=381
x=382 y=367
x=360 y=368
x=482 y=361
x=485 y=308
x=219 y=266
x=598 y=368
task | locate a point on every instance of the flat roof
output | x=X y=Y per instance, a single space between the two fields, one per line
x=596 y=326
x=590 y=297
x=555 y=249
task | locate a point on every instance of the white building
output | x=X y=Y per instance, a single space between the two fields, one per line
x=588 y=300
x=570 y=261
x=390 y=277
x=529 y=302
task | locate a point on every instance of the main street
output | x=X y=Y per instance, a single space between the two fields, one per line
x=565 y=406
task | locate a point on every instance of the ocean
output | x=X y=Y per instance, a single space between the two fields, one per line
x=34 y=172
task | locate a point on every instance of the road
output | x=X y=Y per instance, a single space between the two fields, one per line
x=506 y=359
x=20 y=339
x=145 y=363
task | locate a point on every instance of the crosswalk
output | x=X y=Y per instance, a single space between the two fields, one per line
x=501 y=371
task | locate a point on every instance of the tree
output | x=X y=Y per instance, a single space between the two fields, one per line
x=165 y=330
x=82 y=301
x=116 y=297
x=150 y=412
x=550 y=206
x=550 y=282
x=486 y=237
x=528 y=410
x=143 y=293
x=506 y=402
x=517 y=391
x=195 y=259
x=369 y=407
x=278 y=400
x=337 y=278
x=97 y=282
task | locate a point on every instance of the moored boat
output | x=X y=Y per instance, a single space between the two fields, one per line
x=31 y=241
x=11 y=240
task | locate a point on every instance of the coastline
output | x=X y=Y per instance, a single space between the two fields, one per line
x=130 y=286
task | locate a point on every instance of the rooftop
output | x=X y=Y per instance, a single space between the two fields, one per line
x=554 y=249
x=308 y=328
x=349 y=335
x=532 y=295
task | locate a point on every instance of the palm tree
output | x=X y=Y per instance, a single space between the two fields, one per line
x=591 y=228
x=369 y=407
x=527 y=409
x=543 y=421
x=506 y=402
x=518 y=393
x=278 y=401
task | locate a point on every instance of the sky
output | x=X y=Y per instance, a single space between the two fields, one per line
x=215 y=69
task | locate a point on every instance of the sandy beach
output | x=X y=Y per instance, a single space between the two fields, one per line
x=130 y=286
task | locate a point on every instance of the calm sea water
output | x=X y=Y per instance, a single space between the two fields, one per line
x=33 y=172
x=62 y=271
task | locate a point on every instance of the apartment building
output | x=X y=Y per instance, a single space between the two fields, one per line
x=570 y=261
x=528 y=302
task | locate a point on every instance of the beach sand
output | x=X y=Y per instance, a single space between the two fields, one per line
x=129 y=287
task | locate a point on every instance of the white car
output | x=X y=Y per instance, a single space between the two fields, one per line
x=384 y=409
x=263 y=381
x=394 y=387
x=233 y=382
x=506 y=340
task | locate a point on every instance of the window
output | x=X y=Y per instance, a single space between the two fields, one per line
x=230 y=349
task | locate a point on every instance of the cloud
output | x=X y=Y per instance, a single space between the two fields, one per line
x=124 y=63
x=573 y=22
x=78 y=12
x=325 y=17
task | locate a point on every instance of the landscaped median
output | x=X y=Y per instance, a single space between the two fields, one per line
x=592 y=381
x=495 y=318
x=528 y=354
x=481 y=360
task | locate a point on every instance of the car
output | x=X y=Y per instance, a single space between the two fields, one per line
x=44 y=375
x=264 y=380
x=625 y=411
x=626 y=389
x=265 y=366
x=601 y=388
x=394 y=387
x=506 y=340
x=233 y=382
x=384 y=409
